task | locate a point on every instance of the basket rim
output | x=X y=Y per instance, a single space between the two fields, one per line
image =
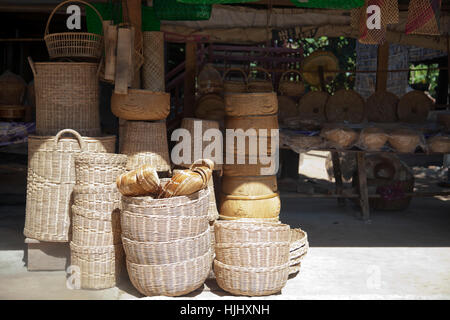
x=251 y=226
x=159 y=203
x=162 y=216
x=222 y=245
x=251 y=269
x=150 y=243
x=175 y=264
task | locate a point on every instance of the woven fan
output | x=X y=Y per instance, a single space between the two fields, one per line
x=345 y=105
x=382 y=107
x=312 y=105
x=312 y=64
x=414 y=107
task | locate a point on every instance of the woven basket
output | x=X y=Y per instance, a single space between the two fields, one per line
x=298 y=239
x=51 y=179
x=95 y=228
x=210 y=107
x=140 y=182
x=153 y=253
x=251 y=281
x=141 y=105
x=104 y=198
x=100 y=169
x=146 y=143
x=251 y=220
x=12 y=89
x=175 y=279
x=67 y=96
x=440 y=144
x=233 y=86
x=294 y=270
x=373 y=138
x=312 y=105
x=153 y=69
x=404 y=140
x=382 y=107
x=251 y=104
x=290 y=88
x=253 y=255
x=265 y=206
x=259 y=85
x=248 y=232
x=73 y=44
x=340 y=137
x=12 y=112
x=298 y=255
x=252 y=122
x=414 y=107
x=100 y=267
x=345 y=105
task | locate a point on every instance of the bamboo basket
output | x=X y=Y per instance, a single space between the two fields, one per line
x=250 y=232
x=98 y=198
x=252 y=220
x=67 y=96
x=251 y=281
x=156 y=253
x=153 y=68
x=141 y=105
x=290 y=88
x=51 y=179
x=254 y=122
x=73 y=44
x=251 y=104
x=233 y=86
x=100 y=169
x=100 y=267
x=210 y=107
x=175 y=279
x=249 y=186
x=253 y=255
x=146 y=143
x=12 y=89
x=95 y=228
x=265 y=206
x=259 y=85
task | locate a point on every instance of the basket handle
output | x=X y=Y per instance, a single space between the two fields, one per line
x=244 y=76
x=74 y=133
x=66 y=2
x=33 y=68
x=290 y=71
x=260 y=70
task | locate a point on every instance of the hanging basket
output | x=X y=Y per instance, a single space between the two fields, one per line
x=233 y=86
x=73 y=44
x=294 y=88
x=259 y=85
x=173 y=10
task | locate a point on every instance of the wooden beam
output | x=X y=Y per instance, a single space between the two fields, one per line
x=189 y=79
x=382 y=66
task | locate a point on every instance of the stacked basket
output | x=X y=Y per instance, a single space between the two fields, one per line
x=96 y=244
x=251 y=259
x=298 y=249
x=167 y=242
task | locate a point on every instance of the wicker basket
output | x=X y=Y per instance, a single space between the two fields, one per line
x=294 y=270
x=248 y=232
x=249 y=186
x=140 y=182
x=153 y=68
x=12 y=89
x=440 y=144
x=251 y=220
x=265 y=206
x=254 y=122
x=251 y=104
x=404 y=140
x=73 y=44
x=340 y=137
x=141 y=105
x=259 y=85
x=290 y=88
x=175 y=279
x=100 y=169
x=298 y=239
x=233 y=86
x=210 y=107
x=152 y=253
x=146 y=143
x=251 y=281
x=51 y=179
x=67 y=96
x=95 y=228
x=373 y=138
x=12 y=112
x=100 y=267
x=102 y=199
x=312 y=105
x=253 y=255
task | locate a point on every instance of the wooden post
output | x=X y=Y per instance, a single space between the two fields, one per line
x=189 y=79
x=363 y=190
x=382 y=67
x=337 y=176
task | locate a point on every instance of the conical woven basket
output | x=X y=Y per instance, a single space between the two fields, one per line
x=100 y=169
x=146 y=143
x=153 y=68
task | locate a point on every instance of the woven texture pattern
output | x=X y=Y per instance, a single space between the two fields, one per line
x=98 y=169
x=153 y=68
x=424 y=17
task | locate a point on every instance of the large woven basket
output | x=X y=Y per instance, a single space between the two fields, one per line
x=146 y=143
x=50 y=181
x=256 y=84
x=264 y=206
x=153 y=68
x=175 y=279
x=210 y=107
x=234 y=86
x=291 y=86
x=95 y=228
x=169 y=251
x=67 y=96
x=253 y=255
x=100 y=267
x=140 y=104
x=100 y=169
x=98 y=198
x=247 y=232
x=252 y=220
x=73 y=44
x=251 y=104
x=251 y=281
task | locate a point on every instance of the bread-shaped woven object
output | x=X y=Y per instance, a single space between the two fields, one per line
x=341 y=137
x=440 y=144
x=373 y=138
x=345 y=105
x=140 y=182
x=404 y=140
x=186 y=182
x=414 y=107
x=382 y=107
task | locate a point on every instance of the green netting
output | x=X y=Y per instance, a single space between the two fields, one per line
x=173 y=10
x=213 y=1
x=150 y=21
x=328 y=4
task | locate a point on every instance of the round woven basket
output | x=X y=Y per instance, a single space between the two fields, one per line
x=312 y=105
x=373 y=138
x=298 y=239
x=265 y=206
x=153 y=253
x=99 y=267
x=175 y=279
x=345 y=105
x=141 y=105
x=234 y=86
x=249 y=186
x=440 y=144
x=98 y=198
x=73 y=44
x=251 y=220
x=210 y=107
x=294 y=270
x=340 y=137
x=252 y=122
x=287 y=87
x=263 y=84
x=12 y=89
x=404 y=140
x=146 y=143
x=248 y=232
x=253 y=255
x=100 y=169
x=414 y=107
x=382 y=107
x=251 y=281
x=95 y=228
x=251 y=104
x=153 y=68
x=12 y=112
